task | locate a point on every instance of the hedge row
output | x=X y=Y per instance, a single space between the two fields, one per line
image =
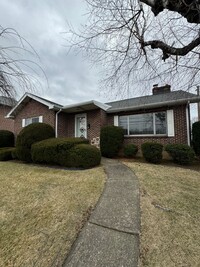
x=153 y=152
x=6 y=153
x=35 y=143
x=66 y=152
x=180 y=153
x=6 y=138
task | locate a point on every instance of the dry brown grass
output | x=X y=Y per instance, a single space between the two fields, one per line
x=170 y=215
x=42 y=210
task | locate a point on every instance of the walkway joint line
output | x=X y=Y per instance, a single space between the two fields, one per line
x=115 y=229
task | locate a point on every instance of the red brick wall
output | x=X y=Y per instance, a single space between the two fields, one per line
x=95 y=119
x=66 y=125
x=180 y=125
x=104 y=118
x=6 y=124
x=62 y=125
x=34 y=109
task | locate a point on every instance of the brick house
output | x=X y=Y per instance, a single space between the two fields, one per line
x=6 y=104
x=163 y=116
x=31 y=108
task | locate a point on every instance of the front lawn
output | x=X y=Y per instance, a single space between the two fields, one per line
x=42 y=210
x=170 y=215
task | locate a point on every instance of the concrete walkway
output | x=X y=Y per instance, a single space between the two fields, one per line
x=111 y=236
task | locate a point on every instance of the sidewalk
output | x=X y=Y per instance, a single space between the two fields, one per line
x=111 y=236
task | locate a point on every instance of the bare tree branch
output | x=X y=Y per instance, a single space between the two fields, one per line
x=134 y=42
x=170 y=50
x=16 y=73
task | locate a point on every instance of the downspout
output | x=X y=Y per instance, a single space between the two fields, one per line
x=188 y=123
x=198 y=104
x=56 y=124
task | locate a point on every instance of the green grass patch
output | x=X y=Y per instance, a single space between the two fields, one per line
x=42 y=210
x=170 y=215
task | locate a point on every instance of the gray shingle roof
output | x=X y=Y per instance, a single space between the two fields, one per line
x=7 y=101
x=173 y=98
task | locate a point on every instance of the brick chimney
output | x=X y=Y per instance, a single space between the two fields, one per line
x=161 y=89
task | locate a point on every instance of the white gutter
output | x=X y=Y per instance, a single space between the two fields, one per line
x=188 y=123
x=82 y=104
x=154 y=105
x=56 y=123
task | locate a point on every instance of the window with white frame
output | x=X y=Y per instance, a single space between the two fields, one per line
x=144 y=124
x=28 y=121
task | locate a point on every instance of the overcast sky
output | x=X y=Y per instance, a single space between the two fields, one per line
x=43 y=23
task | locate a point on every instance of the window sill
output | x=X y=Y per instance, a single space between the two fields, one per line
x=147 y=135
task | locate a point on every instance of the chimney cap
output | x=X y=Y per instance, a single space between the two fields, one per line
x=161 y=89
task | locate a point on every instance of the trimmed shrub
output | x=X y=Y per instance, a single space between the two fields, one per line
x=6 y=138
x=6 y=153
x=130 y=150
x=111 y=139
x=83 y=156
x=54 y=150
x=152 y=152
x=196 y=137
x=29 y=135
x=14 y=153
x=180 y=153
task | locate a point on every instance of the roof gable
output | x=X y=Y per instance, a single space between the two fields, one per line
x=85 y=106
x=25 y=98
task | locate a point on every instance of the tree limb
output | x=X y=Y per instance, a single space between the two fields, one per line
x=189 y=9
x=170 y=50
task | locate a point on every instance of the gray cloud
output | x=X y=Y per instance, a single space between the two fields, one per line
x=42 y=24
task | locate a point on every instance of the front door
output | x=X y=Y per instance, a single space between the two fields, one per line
x=81 y=125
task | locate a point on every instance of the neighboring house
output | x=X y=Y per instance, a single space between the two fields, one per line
x=163 y=116
x=6 y=104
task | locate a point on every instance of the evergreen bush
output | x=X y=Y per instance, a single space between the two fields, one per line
x=180 y=153
x=83 y=156
x=14 y=153
x=130 y=150
x=196 y=137
x=152 y=152
x=54 y=150
x=6 y=153
x=111 y=139
x=29 y=135
x=6 y=138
